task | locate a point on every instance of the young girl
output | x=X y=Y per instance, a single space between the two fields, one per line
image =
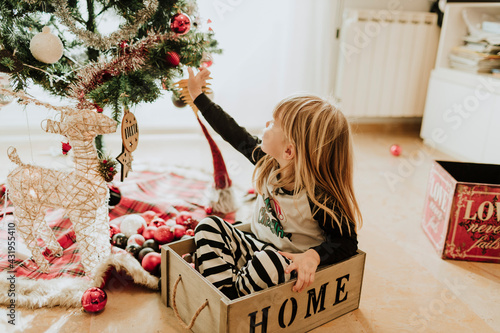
x=306 y=214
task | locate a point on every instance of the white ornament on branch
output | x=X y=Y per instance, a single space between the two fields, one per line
x=82 y=192
x=46 y=47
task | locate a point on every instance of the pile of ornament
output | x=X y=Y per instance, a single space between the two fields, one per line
x=142 y=235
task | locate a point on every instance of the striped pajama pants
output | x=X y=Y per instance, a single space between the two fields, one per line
x=234 y=262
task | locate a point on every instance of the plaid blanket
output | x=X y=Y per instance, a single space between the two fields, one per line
x=166 y=193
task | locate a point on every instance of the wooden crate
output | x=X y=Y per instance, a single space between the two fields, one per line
x=335 y=291
x=462 y=211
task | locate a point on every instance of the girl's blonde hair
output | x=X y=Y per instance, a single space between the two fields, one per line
x=323 y=164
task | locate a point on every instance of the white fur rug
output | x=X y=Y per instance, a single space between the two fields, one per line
x=67 y=292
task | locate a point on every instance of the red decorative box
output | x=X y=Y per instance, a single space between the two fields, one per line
x=462 y=211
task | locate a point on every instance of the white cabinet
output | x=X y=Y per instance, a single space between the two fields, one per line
x=462 y=112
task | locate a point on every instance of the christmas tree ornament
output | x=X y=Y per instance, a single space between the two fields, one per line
x=82 y=192
x=149 y=215
x=151 y=263
x=46 y=47
x=133 y=249
x=66 y=147
x=178 y=231
x=136 y=239
x=151 y=243
x=172 y=58
x=5 y=99
x=178 y=102
x=221 y=197
x=396 y=150
x=130 y=140
x=133 y=224
x=206 y=60
x=164 y=234
x=124 y=47
x=119 y=240
x=143 y=252
x=149 y=232
x=158 y=222
x=113 y=230
x=180 y=23
x=107 y=169
x=188 y=257
x=182 y=217
x=9 y=63
x=115 y=195
x=94 y=300
x=190 y=232
x=98 y=108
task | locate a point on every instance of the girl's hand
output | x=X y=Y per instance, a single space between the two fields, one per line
x=196 y=82
x=305 y=265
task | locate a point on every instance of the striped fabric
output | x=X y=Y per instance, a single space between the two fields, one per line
x=235 y=261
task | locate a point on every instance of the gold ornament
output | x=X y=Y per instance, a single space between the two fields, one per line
x=46 y=47
x=82 y=192
x=130 y=139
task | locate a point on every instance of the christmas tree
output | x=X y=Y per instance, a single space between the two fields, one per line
x=59 y=45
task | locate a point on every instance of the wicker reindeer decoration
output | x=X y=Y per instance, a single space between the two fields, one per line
x=82 y=192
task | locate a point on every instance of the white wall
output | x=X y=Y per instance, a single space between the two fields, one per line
x=271 y=49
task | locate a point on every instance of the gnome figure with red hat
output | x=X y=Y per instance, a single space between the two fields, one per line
x=221 y=199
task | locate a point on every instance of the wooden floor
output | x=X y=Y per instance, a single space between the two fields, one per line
x=406 y=288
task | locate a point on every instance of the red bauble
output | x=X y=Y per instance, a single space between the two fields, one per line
x=190 y=232
x=149 y=232
x=182 y=217
x=179 y=231
x=180 y=24
x=209 y=210
x=113 y=230
x=163 y=235
x=148 y=215
x=396 y=150
x=158 y=222
x=207 y=63
x=172 y=58
x=94 y=299
x=99 y=110
x=124 y=47
x=65 y=147
x=151 y=262
x=170 y=222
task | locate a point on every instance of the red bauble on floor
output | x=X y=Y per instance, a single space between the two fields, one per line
x=94 y=299
x=151 y=263
x=163 y=235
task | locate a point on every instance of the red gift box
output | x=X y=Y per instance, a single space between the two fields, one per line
x=462 y=211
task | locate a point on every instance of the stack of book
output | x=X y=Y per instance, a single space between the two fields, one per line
x=481 y=50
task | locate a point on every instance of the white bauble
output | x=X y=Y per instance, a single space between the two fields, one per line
x=46 y=47
x=5 y=84
x=132 y=224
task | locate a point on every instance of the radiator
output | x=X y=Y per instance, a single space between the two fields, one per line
x=385 y=62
